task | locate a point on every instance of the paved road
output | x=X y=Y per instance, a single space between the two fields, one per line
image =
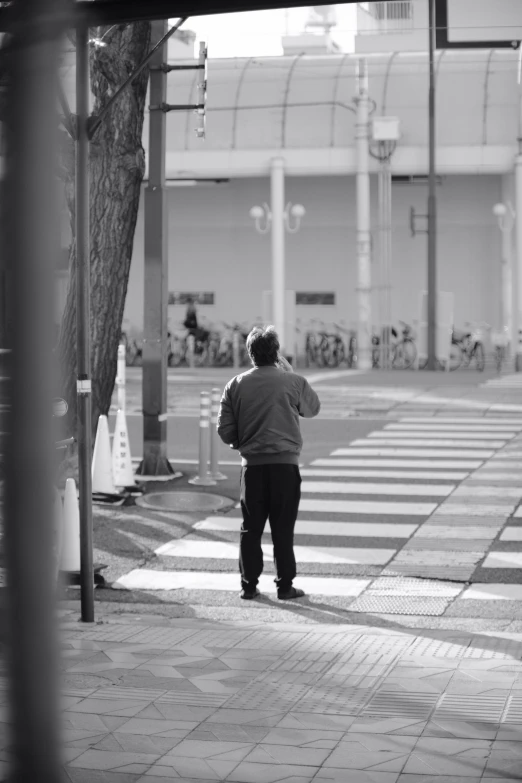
x=416 y=515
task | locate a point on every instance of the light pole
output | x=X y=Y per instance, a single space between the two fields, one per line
x=364 y=270
x=275 y=220
x=505 y=215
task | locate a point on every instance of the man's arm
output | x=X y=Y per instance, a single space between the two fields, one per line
x=309 y=404
x=226 y=423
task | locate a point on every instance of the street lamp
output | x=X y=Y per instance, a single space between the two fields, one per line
x=505 y=214
x=275 y=219
x=262 y=216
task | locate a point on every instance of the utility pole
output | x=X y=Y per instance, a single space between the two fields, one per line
x=364 y=290
x=432 y=204
x=156 y=288
x=83 y=324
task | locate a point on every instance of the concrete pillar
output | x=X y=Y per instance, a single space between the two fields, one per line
x=364 y=308
x=277 y=186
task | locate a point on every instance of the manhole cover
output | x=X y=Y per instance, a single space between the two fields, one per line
x=84 y=681
x=184 y=501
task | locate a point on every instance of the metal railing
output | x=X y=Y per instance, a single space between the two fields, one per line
x=394 y=16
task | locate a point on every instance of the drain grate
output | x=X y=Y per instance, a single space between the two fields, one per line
x=391 y=704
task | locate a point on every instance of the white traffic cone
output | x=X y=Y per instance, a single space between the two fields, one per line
x=121 y=455
x=70 y=557
x=102 y=478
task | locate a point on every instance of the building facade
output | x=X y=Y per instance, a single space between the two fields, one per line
x=300 y=110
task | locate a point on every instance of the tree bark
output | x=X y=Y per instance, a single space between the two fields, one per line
x=116 y=168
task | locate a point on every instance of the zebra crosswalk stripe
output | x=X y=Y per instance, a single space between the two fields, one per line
x=438 y=450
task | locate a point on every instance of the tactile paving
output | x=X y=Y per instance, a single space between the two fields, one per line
x=263 y=695
x=393 y=704
x=413 y=587
x=479 y=708
x=274 y=640
x=386 y=604
x=513 y=712
x=334 y=700
x=193 y=698
x=439 y=648
x=457 y=573
x=334 y=643
x=447 y=545
x=315 y=662
x=494 y=649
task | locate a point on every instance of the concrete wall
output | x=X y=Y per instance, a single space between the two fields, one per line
x=214 y=247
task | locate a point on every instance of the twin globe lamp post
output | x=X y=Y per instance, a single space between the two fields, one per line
x=276 y=220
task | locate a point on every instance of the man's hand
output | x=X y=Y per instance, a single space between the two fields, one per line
x=284 y=364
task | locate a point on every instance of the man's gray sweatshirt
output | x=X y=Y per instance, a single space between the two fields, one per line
x=259 y=415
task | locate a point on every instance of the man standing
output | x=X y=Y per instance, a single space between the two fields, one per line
x=259 y=416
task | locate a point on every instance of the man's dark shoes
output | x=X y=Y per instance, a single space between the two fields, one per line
x=249 y=595
x=287 y=595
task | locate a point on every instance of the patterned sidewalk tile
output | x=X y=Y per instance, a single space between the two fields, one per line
x=416 y=605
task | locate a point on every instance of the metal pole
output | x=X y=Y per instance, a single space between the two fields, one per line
x=30 y=229
x=432 y=204
x=277 y=187
x=517 y=266
x=83 y=331
x=505 y=315
x=364 y=327
x=155 y=338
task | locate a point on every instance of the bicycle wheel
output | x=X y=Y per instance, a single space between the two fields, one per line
x=455 y=357
x=352 y=353
x=177 y=352
x=480 y=356
x=329 y=353
x=341 y=353
x=499 y=356
x=404 y=354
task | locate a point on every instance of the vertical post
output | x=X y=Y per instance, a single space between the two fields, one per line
x=83 y=331
x=505 y=315
x=364 y=309
x=155 y=338
x=30 y=230
x=120 y=377
x=277 y=187
x=517 y=266
x=432 y=204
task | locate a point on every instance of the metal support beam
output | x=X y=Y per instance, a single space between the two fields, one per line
x=83 y=325
x=432 y=204
x=155 y=461
x=364 y=277
x=30 y=230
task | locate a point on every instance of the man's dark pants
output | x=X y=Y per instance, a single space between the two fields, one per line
x=269 y=492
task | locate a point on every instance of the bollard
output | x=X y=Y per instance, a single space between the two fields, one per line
x=120 y=377
x=215 y=473
x=235 y=349
x=191 y=345
x=203 y=479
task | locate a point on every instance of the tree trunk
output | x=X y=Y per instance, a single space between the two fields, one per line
x=116 y=167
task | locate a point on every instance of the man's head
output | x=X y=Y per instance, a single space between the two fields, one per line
x=263 y=346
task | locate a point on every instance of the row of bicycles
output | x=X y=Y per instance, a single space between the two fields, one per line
x=392 y=348
x=397 y=349
x=211 y=347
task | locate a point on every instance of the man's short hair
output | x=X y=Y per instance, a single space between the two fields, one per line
x=263 y=346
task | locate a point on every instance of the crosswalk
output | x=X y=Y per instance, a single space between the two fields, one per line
x=414 y=516
x=510 y=381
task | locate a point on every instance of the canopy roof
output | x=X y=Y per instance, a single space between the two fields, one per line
x=307 y=102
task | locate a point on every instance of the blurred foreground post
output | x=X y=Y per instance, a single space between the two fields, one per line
x=30 y=246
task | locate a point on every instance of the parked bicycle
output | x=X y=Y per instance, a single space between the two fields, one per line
x=468 y=346
x=402 y=349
